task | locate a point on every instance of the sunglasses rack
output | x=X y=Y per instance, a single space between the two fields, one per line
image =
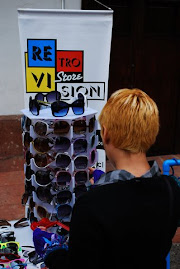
x=57 y=154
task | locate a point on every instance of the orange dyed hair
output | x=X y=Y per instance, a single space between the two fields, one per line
x=131 y=118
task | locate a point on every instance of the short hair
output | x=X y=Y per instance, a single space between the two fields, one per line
x=131 y=118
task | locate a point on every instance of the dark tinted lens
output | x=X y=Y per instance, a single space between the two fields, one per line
x=61 y=127
x=80 y=146
x=63 y=178
x=24 y=198
x=53 y=96
x=40 y=128
x=79 y=127
x=10 y=256
x=28 y=157
x=63 y=211
x=31 y=204
x=79 y=190
x=27 y=124
x=23 y=119
x=59 y=108
x=34 y=107
x=28 y=187
x=1 y=265
x=28 y=172
x=93 y=155
x=44 y=194
x=62 y=144
x=63 y=161
x=39 y=96
x=78 y=107
x=91 y=124
x=13 y=247
x=32 y=218
x=81 y=162
x=42 y=212
x=92 y=141
x=64 y=197
x=43 y=177
x=42 y=144
x=41 y=160
x=81 y=177
x=27 y=139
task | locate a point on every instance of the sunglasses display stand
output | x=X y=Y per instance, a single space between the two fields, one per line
x=74 y=146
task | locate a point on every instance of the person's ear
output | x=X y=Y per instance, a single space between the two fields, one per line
x=105 y=135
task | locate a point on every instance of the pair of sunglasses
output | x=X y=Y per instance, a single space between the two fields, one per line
x=58 y=108
x=61 y=144
x=41 y=211
x=63 y=178
x=63 y=160
x=7 y=236
x=50 y=97
x=11 y=246
x=6 y=257
x=4 y=222
x=60 y=127
x=14 y=264
x=45 y=195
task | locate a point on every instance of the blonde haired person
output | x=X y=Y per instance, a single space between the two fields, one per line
x=128 y=218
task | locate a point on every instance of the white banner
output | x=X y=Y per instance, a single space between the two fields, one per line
x=68 y=51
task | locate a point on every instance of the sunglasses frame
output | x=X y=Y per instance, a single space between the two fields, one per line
x=46 y=95
x=33 y=163
x=9 y=266
x=37 y=104
x=51 y=125
x=4 y=245
x=50 y=130
x=16 y=256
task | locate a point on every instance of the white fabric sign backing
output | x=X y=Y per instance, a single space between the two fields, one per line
x=68 y=51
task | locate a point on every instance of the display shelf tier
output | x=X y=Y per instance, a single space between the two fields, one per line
x=46 y=114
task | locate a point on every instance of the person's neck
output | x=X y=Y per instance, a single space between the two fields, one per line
x=134 y=163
